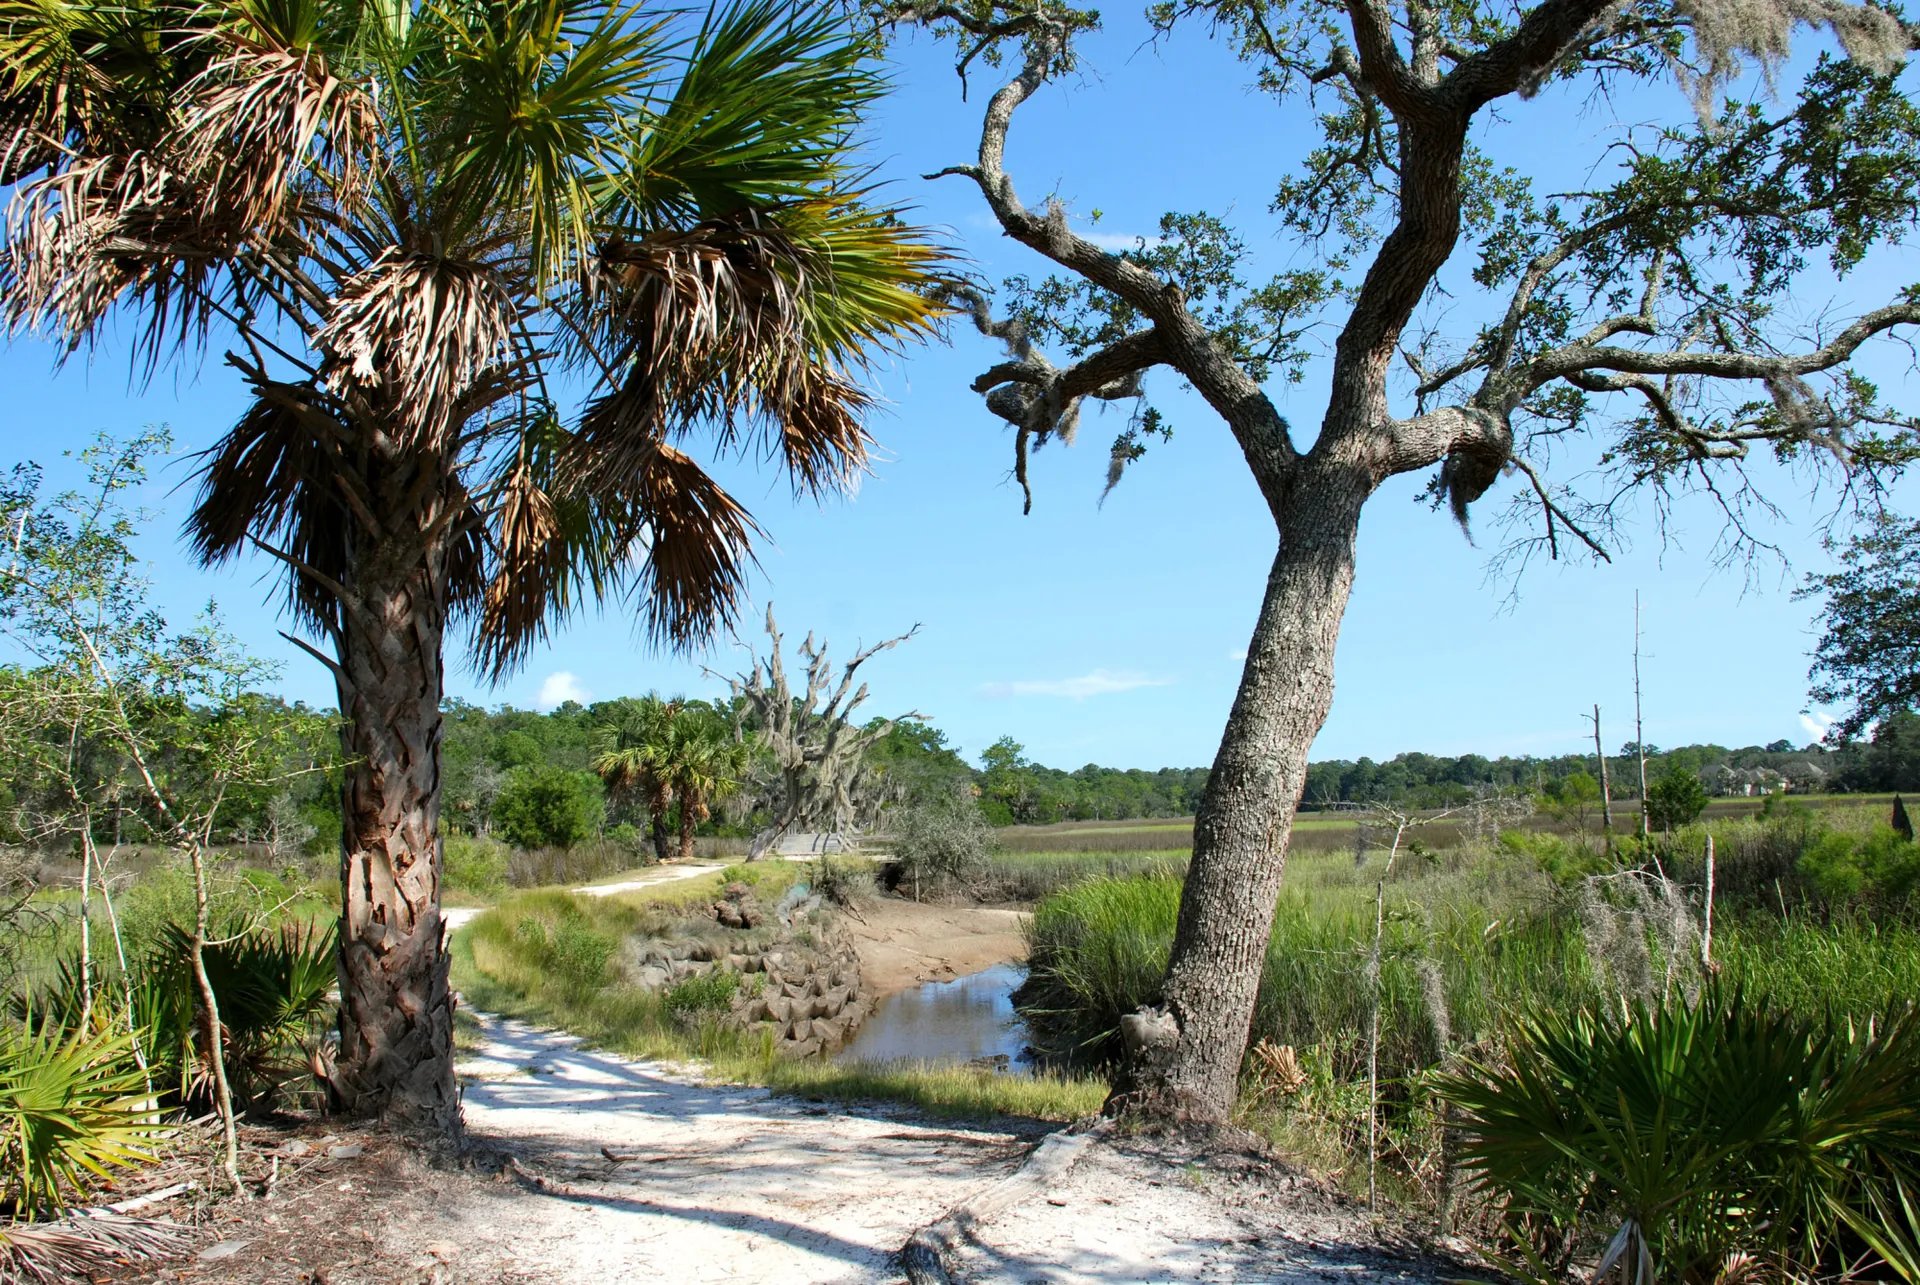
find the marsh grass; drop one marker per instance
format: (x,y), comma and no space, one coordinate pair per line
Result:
(1473,936)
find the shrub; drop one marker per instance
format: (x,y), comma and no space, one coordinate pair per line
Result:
(1675,799)
(547,807)
(475,864)
(579,954)
(943,842)
(271,985)
(1695,1132)
(1881,866)
(73,1105)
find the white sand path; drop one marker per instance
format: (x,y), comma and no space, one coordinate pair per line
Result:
(457,917)
(725,1183)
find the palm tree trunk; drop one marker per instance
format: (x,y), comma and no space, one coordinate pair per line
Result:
(396,1009)
(1184,1060)
(690,813)
(657,804)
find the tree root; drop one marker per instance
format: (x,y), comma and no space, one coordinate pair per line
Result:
(931,1254)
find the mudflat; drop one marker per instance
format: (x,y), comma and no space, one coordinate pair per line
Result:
(904,943)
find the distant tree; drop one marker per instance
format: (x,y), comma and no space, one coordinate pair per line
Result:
(703,764)
(1868,658)
(633,754)
(1890,760)
(1675,798)
(822,778)
(547,807)
(1573,798)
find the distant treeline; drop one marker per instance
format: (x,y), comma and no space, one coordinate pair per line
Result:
(482,747)
(485,751)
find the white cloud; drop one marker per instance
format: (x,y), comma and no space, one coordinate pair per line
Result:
(1241,654)
(559,688)
(1101,682)
(1816,725)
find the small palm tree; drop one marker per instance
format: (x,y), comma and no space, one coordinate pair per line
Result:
(424,236)
(705,765)
(633,750)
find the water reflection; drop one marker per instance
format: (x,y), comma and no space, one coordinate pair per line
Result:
(958,1021)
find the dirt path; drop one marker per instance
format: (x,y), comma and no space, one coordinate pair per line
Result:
(731,1184)
(725,1184)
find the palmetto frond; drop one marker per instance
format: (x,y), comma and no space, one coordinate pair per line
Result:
(413,333)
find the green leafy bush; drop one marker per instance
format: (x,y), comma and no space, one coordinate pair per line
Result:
(1881,866)
(1696,1132)
(547,807)
(475,864)
(579,954)
(1675,798)
(73,1106)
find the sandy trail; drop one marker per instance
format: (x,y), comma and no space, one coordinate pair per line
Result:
(728,1183)
(457,917)
(723,1183)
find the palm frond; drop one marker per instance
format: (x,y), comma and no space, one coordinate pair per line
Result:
(274,477)
(259,118)
(761,117)
(414,332)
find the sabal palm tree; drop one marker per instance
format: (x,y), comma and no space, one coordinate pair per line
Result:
(632,754)
(705,764)
(423,235)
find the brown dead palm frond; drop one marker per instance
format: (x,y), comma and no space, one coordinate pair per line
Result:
(275,477)
(52,1252)
(262,115)
(413,332)
(108,230)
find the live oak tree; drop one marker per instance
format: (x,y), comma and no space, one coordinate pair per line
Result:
(482,268)
(1632,331)
(1868,656)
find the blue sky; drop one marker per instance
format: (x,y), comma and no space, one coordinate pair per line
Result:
(1111,633)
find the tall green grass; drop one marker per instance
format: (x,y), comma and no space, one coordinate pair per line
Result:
(1472,938)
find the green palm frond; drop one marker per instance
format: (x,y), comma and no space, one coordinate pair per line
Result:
(1704,1129)
(73,1108)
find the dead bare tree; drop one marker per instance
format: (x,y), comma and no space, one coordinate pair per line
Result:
(818,752)
(1661,286)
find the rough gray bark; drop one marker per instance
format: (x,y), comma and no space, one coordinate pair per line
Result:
(396,1008)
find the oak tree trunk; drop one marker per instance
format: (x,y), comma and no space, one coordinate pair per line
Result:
(1184,1061)
(396,1008)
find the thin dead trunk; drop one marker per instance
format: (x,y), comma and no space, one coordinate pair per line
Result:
(1606,786)
(396,1008)
(1186,1061)
(1639,732)
(216,1034)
